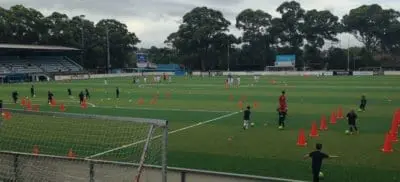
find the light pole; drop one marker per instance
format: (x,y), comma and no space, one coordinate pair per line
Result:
(108,51)
(229,60)
(83,39)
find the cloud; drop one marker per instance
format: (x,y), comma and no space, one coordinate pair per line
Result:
(154,20)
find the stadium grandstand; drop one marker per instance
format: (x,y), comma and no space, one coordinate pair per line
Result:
(20,63)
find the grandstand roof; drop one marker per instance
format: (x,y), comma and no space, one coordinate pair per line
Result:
(37,47)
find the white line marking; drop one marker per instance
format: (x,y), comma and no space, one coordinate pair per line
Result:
(138,108)
(158,136)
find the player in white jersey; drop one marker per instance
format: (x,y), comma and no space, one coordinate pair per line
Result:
(238,81)
(105,82)
(145,79)
(169,78)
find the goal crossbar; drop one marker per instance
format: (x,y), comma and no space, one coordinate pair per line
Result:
(157,122)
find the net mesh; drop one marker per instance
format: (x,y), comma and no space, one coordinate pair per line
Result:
(79,141)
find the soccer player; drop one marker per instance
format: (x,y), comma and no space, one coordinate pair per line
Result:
(352,118)
(105,82)
(246,118)
(117,92)
(87,93)
(50,96)
(363,103)
(145,79)
(14,95)
(69,92)
(282,111)
(282,100)
(317,156)
(81,97)
(238,81)
(33,91)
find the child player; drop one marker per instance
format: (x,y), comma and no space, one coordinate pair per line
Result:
(87,94)
(117,92)
(81,97)
(363,103)
(317,156)
(282,110)
(50,97)
(15,96)
(33,91)
(246,118)
(352,118)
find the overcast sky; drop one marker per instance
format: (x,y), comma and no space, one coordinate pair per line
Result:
(154,20)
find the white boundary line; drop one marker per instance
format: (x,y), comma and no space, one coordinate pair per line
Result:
(158,136)
(138,108)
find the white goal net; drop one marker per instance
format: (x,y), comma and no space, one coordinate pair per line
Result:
(56,146)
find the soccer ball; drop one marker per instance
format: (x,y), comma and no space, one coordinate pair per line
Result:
(280,127)
(321,175)
(252,124)
(347,132)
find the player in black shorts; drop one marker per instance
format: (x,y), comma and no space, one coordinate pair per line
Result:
(117,92)
(246,118)
(317,156)
(81,97)
(69,92)
(14,96)
(282,111)
(87,94)
(352,118)
(363,103)
(50,96)
(33,91)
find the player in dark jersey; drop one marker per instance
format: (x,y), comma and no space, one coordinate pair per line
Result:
(87,94)
(352,118)
(317,157)
(81,97)
(282,111)
(246,118)
(50,96)
(14,96)
(33,91)
(69,92)
(363,103)
(117,92)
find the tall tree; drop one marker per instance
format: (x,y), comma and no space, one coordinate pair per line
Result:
(256,27)
(318,27)
(197,32)
(370,24)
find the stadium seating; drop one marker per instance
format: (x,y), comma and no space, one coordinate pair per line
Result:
(13,64)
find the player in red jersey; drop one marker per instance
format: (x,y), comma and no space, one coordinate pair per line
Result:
(282,100)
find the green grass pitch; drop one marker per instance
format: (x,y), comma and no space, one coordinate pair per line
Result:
(219,143)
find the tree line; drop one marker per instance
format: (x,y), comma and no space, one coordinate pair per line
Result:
(203,41)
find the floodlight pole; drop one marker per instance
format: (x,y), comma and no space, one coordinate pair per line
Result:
(229,60)
(83,39)
(108,51)
(348,54)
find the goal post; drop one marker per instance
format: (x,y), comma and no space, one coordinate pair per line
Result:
(82,138)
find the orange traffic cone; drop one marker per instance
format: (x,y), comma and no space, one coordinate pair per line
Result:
(240,104)
(62,108)
(339,113)
(23,102)
(387,146)
(6,115)
(71,154)
(29,105)
(301,139)
(314,131)
(255,104)
(140,101)
(333,118)
(323,125)
(153,100)
(35,150)
(53,102)
(397,117)
(393,137)
(35,107)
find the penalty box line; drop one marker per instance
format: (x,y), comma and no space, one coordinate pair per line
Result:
(158,136)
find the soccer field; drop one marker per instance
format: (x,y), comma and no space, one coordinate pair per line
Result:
(205,124)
